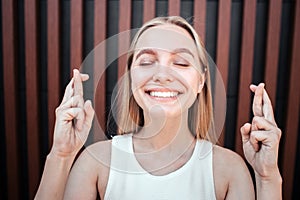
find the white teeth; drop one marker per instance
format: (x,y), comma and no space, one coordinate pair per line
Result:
(163,94)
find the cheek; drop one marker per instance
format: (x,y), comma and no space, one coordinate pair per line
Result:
(138,78)
(193,80)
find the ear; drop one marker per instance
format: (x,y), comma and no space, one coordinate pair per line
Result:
(201,83)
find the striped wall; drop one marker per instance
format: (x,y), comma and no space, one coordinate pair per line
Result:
(42,41)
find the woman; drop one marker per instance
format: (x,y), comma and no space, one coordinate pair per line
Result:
(165,149)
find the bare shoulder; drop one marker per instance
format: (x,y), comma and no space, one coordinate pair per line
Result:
(99,151)
(229,160)
(230,174)
(97,158)
(90,171)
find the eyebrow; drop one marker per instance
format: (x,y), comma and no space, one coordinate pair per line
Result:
(153,52)
(183,50)
(145,51)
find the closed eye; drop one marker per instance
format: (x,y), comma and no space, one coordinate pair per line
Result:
(180,61)
(146,62)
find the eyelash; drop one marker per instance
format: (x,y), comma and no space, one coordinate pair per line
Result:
(181,64)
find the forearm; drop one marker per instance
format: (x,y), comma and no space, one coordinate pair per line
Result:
(270,188)
(55,176)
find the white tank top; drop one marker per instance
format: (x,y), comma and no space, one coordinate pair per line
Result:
(129,181)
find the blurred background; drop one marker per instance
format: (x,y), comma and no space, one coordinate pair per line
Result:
(251,41)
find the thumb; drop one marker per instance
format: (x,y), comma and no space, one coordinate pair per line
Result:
(245,132)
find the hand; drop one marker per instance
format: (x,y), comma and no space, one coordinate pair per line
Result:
(261,137)
(73,119)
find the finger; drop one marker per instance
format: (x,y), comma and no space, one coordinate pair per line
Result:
(84,77)
(253,87)
(257,138)
(76,114)
(89,115)
(68,92)
(78,89)
(258,100)
(262,123)
(245,132)
(74,101)
(267,108)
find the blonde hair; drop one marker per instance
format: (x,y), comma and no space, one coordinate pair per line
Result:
(129,115)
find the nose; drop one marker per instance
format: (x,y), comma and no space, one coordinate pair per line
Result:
(163,74)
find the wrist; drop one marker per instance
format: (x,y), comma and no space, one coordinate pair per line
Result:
(272,177)
(61,158)
(64,155)
(269,187)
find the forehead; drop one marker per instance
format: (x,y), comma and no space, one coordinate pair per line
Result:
(166,37)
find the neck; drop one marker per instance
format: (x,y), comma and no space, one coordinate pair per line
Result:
(166,132)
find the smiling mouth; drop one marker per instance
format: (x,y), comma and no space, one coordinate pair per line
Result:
(163,94)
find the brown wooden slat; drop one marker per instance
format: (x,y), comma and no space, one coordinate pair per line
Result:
(10,98)
(124,42)
(247,55)
(99,65)
(76,35)
(200,18)
(272,54)
(149,10)
(291,131)
(222,57)
(31,63)
(174,7)
(53,62)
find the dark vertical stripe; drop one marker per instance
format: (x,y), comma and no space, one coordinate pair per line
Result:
(258,68)
(187,10)
(211,28)
(3,159)
(233,73)
(136,15)
(65,45)
(161,8)
(111,53)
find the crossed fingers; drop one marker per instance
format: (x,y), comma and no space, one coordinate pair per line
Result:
(73,102)
(262,106)
(263,129)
